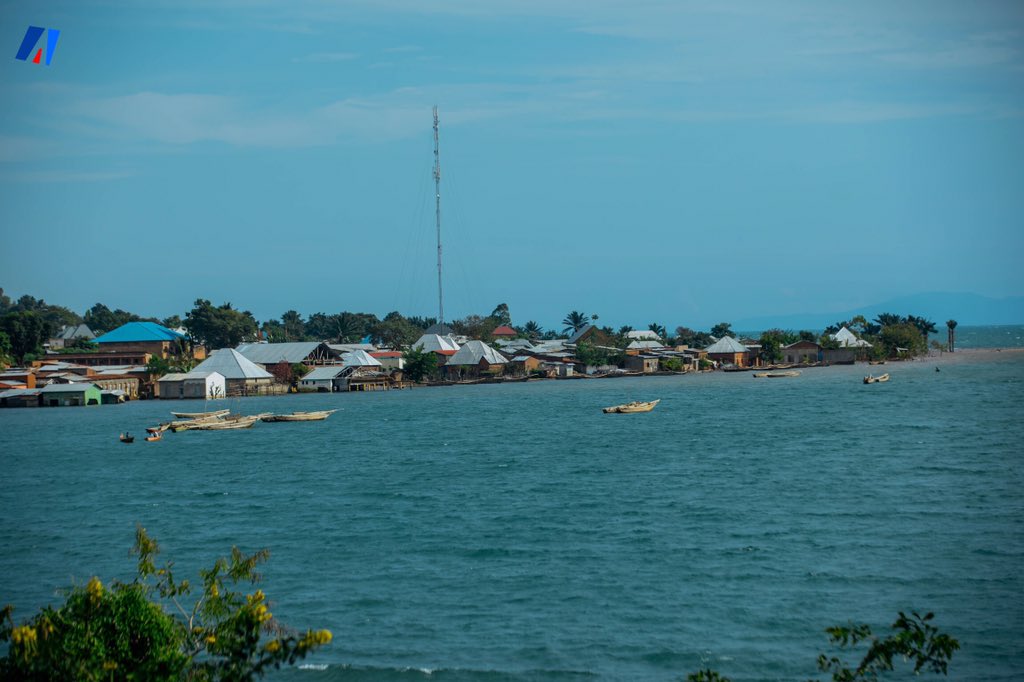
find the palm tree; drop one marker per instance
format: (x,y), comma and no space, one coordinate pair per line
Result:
(575,321)
(532,330)
(889,319)
(923,325)
(951,326)
(657,329)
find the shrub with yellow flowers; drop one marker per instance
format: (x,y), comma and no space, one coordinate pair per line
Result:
(142,630)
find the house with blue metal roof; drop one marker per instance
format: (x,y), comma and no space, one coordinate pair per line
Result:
(143,337)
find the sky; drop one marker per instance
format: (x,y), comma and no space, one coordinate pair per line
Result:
(648,161)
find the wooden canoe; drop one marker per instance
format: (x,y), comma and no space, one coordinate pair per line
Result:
(881,378)
(199,415)
(319,415)
(632,408)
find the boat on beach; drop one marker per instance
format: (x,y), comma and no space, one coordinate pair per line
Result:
(881,378)
(200,415)
(318,415)
(632,407)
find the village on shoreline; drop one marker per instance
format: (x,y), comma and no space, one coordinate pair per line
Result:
(210,355)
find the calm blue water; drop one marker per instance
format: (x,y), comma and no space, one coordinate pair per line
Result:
(517,533)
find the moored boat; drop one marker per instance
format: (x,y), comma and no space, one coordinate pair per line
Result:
(126,438)
(314,416)
(870,379)
(632,407)
(776,375)
(227,425)
(199,415)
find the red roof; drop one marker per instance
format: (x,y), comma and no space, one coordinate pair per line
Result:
(504,330)
(386,354)
(446,352)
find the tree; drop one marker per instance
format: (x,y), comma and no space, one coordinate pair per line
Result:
(888,319)
(902,336)
(658,330)
(293,327)
(172,322)
(101,319)
(923,325)
(5,349)
(693,339)
(951,327)
(395,331)
(476,327)
(721,329)
(219,327)
(419,363)
(532,330)
(142,631)
(806,335)
(501,314)
(26,332)
(772,342)
(574,322)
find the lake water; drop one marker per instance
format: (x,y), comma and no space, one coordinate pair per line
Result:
(517,533)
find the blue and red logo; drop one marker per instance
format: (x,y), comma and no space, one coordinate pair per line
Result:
(32,36)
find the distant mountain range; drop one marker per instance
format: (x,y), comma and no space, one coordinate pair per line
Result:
(966,309)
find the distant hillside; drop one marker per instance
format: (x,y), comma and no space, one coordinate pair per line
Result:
(966,309)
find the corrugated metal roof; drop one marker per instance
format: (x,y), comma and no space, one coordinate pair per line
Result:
(175,376)
(323,373)
(140,331)
(67,388)
(231,365)
(433,342)
(75,331)
(14,392)
(272,353)
(645,344)
(643,334)
(474,351)
(726,344)
(847,339)
(346,347)
(360,358)
(582,330)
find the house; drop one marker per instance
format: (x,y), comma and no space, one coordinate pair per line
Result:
(802,352)
(648,364)
(642,335)
(195,384)
(590,334)
(69,395)
(729,351)
(326,379)
(474,358)
(19,377)
(278,358)
(504,332)
(389,359)
(847,339)
(643,345)
(140,338)
(525,364)
(20,397)
(241,375)
(71,333)
(444,347)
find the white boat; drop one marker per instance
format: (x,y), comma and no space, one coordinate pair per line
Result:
(633,407)
(199,415)
(318,415)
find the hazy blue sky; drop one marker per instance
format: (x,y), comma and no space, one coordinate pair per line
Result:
(662,160)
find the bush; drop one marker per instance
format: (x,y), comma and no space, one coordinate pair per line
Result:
(125,632)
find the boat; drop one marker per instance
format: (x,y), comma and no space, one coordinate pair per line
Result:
(876,362)
(315,416)
(881,378)
(155,437)
(227,425)
(158,429)
(126,438)
(776,375)
(199,415)
(633,407)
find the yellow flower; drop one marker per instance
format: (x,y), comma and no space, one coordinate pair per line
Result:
(211,639)
(273,646)
(214,590)
(95,588)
